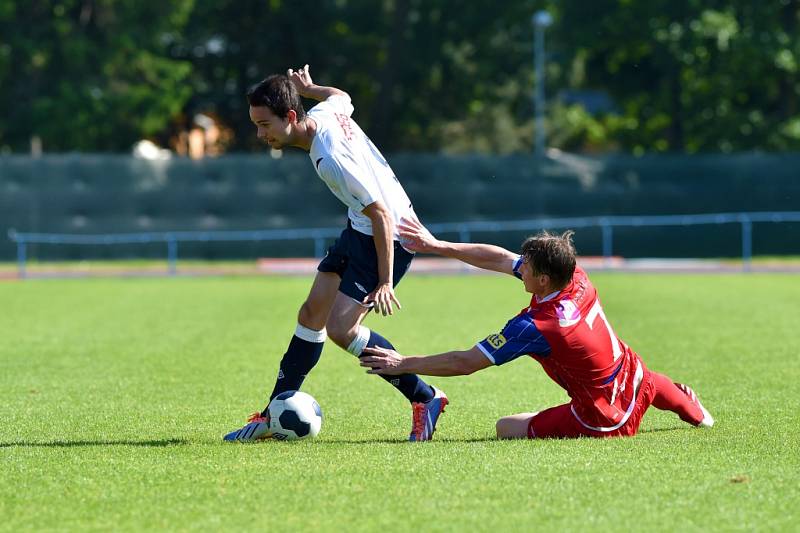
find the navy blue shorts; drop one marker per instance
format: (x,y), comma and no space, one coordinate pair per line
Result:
(354,258)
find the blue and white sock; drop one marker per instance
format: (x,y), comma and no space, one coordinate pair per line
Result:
(302,355)
(411,385)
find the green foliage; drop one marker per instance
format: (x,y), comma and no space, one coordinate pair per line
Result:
(424,74)
(89,75)
(116,393)
(684,75)
(695,76)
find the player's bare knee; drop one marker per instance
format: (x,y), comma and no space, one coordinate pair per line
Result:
(501,428)
(514,426)
(344,321)
(340,332)
(338,338)
(498,428)
(310,316)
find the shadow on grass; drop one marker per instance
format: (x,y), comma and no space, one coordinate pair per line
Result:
(81,443)
(476,440)
(658,430)
(402,441)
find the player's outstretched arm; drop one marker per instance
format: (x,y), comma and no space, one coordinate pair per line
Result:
(455,363)
(417,238)
(301,78)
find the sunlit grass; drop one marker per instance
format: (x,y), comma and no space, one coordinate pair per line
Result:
(115,394)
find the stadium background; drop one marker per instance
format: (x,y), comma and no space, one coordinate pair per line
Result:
(649,108)
(118,194)
(129,116)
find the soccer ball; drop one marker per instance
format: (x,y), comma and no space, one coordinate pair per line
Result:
(294,415)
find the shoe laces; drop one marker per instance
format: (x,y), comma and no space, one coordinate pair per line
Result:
(418,422)
(257,417)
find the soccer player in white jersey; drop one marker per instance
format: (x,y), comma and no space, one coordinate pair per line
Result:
(362,267)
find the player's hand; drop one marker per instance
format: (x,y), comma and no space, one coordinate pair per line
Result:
(415,237)
(301,79)
(381,361)
(382,298)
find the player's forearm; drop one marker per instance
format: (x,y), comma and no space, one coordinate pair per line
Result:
(456,363)
(383,236)
(320,92)
(485,256)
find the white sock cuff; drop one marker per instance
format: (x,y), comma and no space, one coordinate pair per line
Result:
(310,335)
(360,341)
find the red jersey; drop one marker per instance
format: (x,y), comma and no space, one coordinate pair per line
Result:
(568,333)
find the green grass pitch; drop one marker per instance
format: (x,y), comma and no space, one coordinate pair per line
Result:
(115,394)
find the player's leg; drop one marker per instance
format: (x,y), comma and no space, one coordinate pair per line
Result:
(358,280)
(306,344)
(345,329)
(427,402)
(514,426)
(681,400)
(303,353)
(553,423)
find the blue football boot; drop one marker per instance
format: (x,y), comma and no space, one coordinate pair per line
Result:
(425,416)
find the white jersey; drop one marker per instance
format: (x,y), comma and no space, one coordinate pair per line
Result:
(352,167)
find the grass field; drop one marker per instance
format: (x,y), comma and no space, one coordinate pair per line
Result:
(115,393)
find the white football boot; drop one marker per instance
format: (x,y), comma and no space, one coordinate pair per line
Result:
(257,428)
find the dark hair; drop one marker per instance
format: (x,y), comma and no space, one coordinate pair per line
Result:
(552,255)
(278,94)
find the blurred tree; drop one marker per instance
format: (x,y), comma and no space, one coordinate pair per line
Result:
(691,75)
(682,75)
(466,71)
(235,43)
(89,74)
(424,74)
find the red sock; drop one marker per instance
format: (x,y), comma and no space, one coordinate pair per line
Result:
(670,398)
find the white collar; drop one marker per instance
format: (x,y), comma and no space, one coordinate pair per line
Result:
(548,297)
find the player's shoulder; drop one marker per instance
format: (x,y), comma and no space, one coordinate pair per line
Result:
(564,312)
(523,323)
(335,131)
(337,104)
(582,292)
(333,146)
(543,314)
(325,138)
(561,311)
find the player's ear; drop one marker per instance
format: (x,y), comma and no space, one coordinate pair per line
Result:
(291,116)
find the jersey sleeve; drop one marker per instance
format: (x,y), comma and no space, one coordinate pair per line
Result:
(338,103)
(520,336)
(515,267)
(357,191)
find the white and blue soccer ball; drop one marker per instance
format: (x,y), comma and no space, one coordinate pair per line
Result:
(294,415)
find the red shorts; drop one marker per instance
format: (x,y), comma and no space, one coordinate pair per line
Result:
(559,422)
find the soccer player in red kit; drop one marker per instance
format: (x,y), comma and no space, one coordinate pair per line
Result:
(566,331)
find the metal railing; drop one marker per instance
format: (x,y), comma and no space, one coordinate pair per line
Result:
(463,229)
